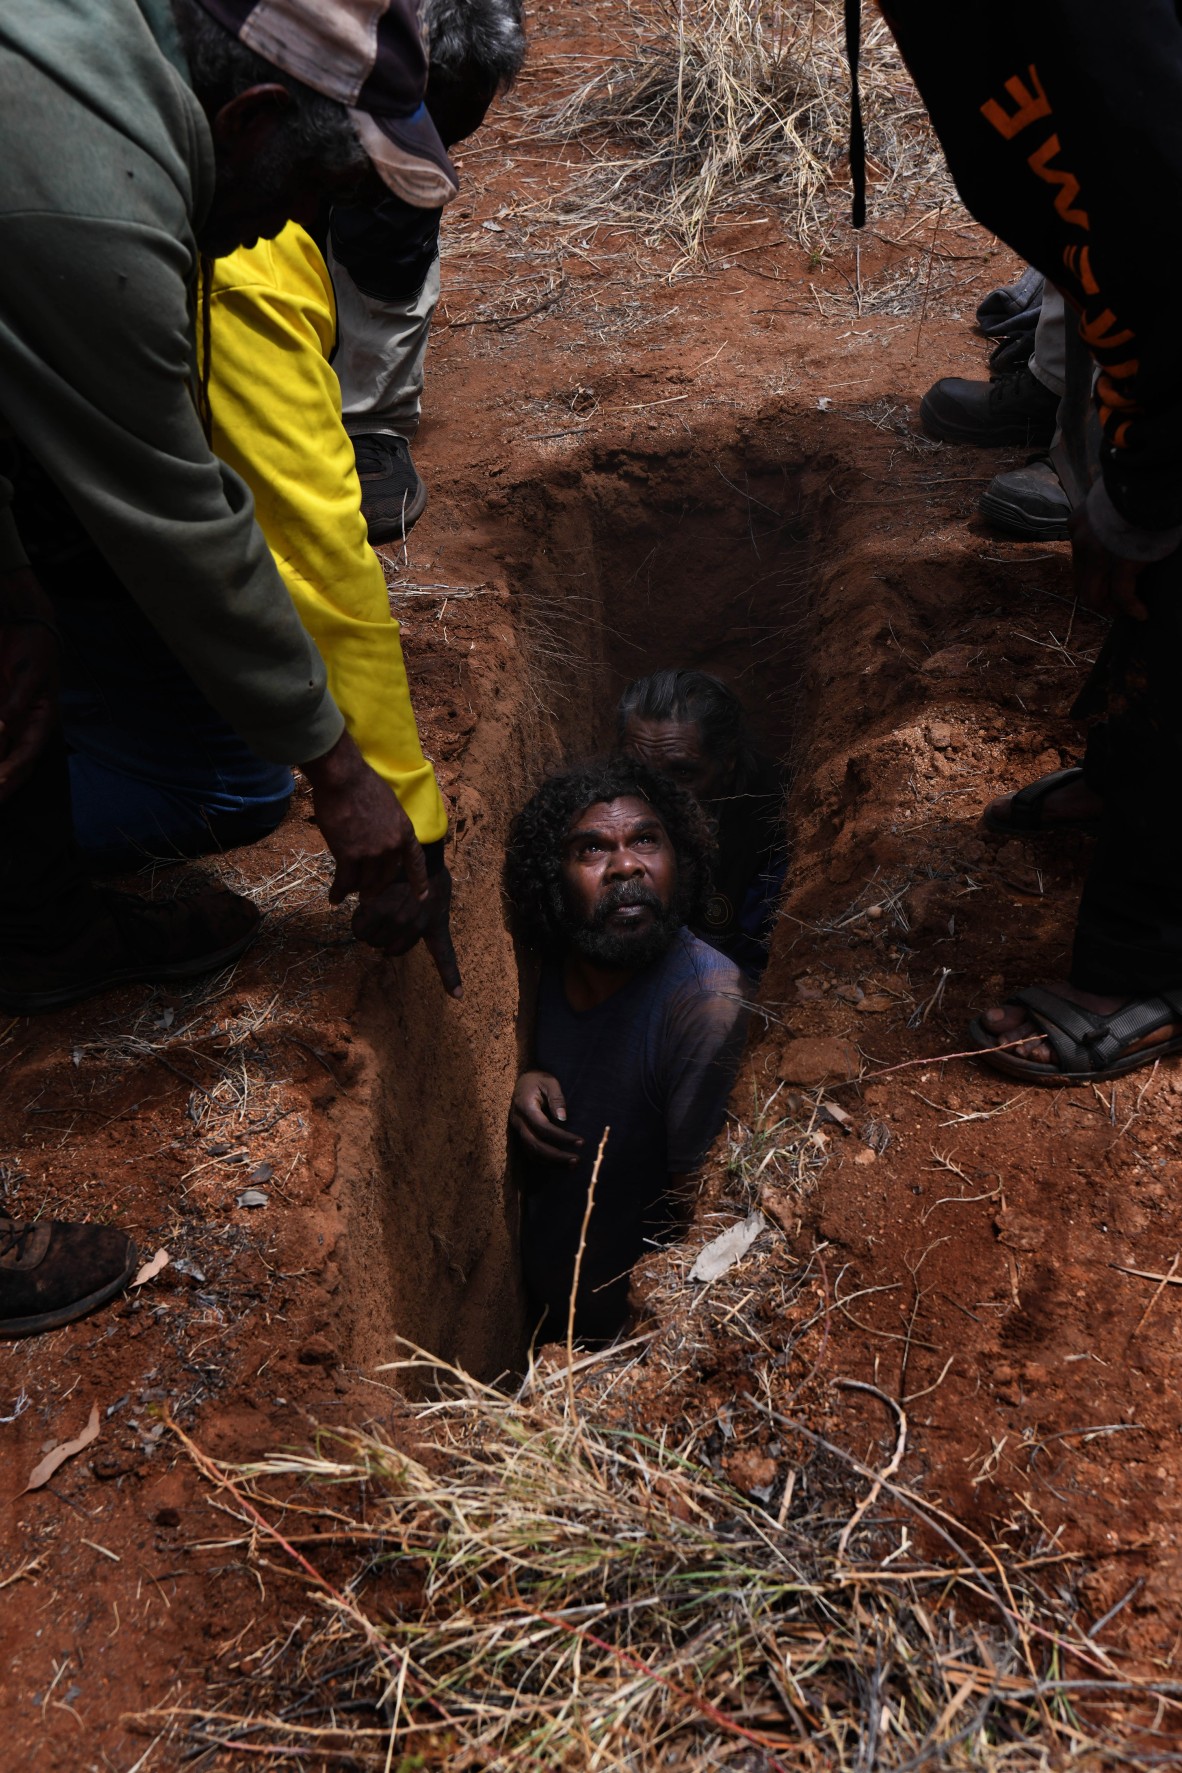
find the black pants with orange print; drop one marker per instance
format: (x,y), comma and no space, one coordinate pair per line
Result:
(1128,938)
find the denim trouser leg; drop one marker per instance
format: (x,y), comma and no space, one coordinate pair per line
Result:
(1048,359)
(154,770)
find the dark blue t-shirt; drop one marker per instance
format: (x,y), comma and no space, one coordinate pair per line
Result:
(655,1063)
(750,869)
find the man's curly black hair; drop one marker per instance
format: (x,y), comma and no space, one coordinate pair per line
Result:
(534,852)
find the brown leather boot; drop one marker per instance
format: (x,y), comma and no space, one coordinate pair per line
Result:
(52,1272)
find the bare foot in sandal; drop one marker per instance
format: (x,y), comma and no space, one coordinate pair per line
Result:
(1112,1035)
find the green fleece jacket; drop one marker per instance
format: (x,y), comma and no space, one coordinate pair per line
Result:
(106,168)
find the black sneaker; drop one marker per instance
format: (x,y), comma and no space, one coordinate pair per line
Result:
(393,497)
(52,1272)
(1015,408)
(1028,502)
(130,940)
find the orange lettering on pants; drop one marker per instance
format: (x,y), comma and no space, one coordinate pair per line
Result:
(1119,434)
(1068,191)
(1031,106)
(1097,332)
(1113,398)
(1086,275)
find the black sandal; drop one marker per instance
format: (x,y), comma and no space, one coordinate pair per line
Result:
(1024,816)
(1089,1047)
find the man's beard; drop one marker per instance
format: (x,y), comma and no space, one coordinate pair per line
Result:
(633,948)
(250,207)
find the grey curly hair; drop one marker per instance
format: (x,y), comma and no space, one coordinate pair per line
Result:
(476,48)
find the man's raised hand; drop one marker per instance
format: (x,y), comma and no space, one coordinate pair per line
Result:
(538,1109)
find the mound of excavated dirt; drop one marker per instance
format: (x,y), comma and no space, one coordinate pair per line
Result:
(630,465)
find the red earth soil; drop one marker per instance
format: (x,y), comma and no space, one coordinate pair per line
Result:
(712,464)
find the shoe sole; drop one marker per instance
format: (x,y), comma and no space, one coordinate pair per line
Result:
(34,1003)
(392,529)
(53,1320)
(948,431)
(1016,521)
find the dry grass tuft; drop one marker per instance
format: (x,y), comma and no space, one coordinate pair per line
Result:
(637,1563)
(729,103)
(546,1593)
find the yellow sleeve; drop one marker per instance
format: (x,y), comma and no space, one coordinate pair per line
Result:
(276,409)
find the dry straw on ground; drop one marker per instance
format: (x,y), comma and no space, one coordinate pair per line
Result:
(607,1567)
(723,104)
(544,1593)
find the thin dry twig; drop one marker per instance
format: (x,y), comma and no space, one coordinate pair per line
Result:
(1171,1278)
(574,1285)
(889,1469)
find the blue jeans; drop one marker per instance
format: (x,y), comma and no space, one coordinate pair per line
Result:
(154,771)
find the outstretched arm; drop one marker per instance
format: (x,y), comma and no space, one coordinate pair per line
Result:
(277,420)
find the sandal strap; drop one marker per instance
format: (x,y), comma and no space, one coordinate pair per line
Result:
(1086,1040)
(1025,809)
(1067,1026)
(1144,1016)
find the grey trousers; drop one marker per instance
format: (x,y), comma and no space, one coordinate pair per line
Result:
(1048,360)
(381,347)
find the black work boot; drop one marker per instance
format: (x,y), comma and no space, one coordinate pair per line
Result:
(1028,502)
(128,940)
(393,497)
(1014,408)
(52,1272)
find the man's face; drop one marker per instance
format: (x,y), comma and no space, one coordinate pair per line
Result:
(619,881)
(262,183)
(675,748)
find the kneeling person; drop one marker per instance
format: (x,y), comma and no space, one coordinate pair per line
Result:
(639,1028)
